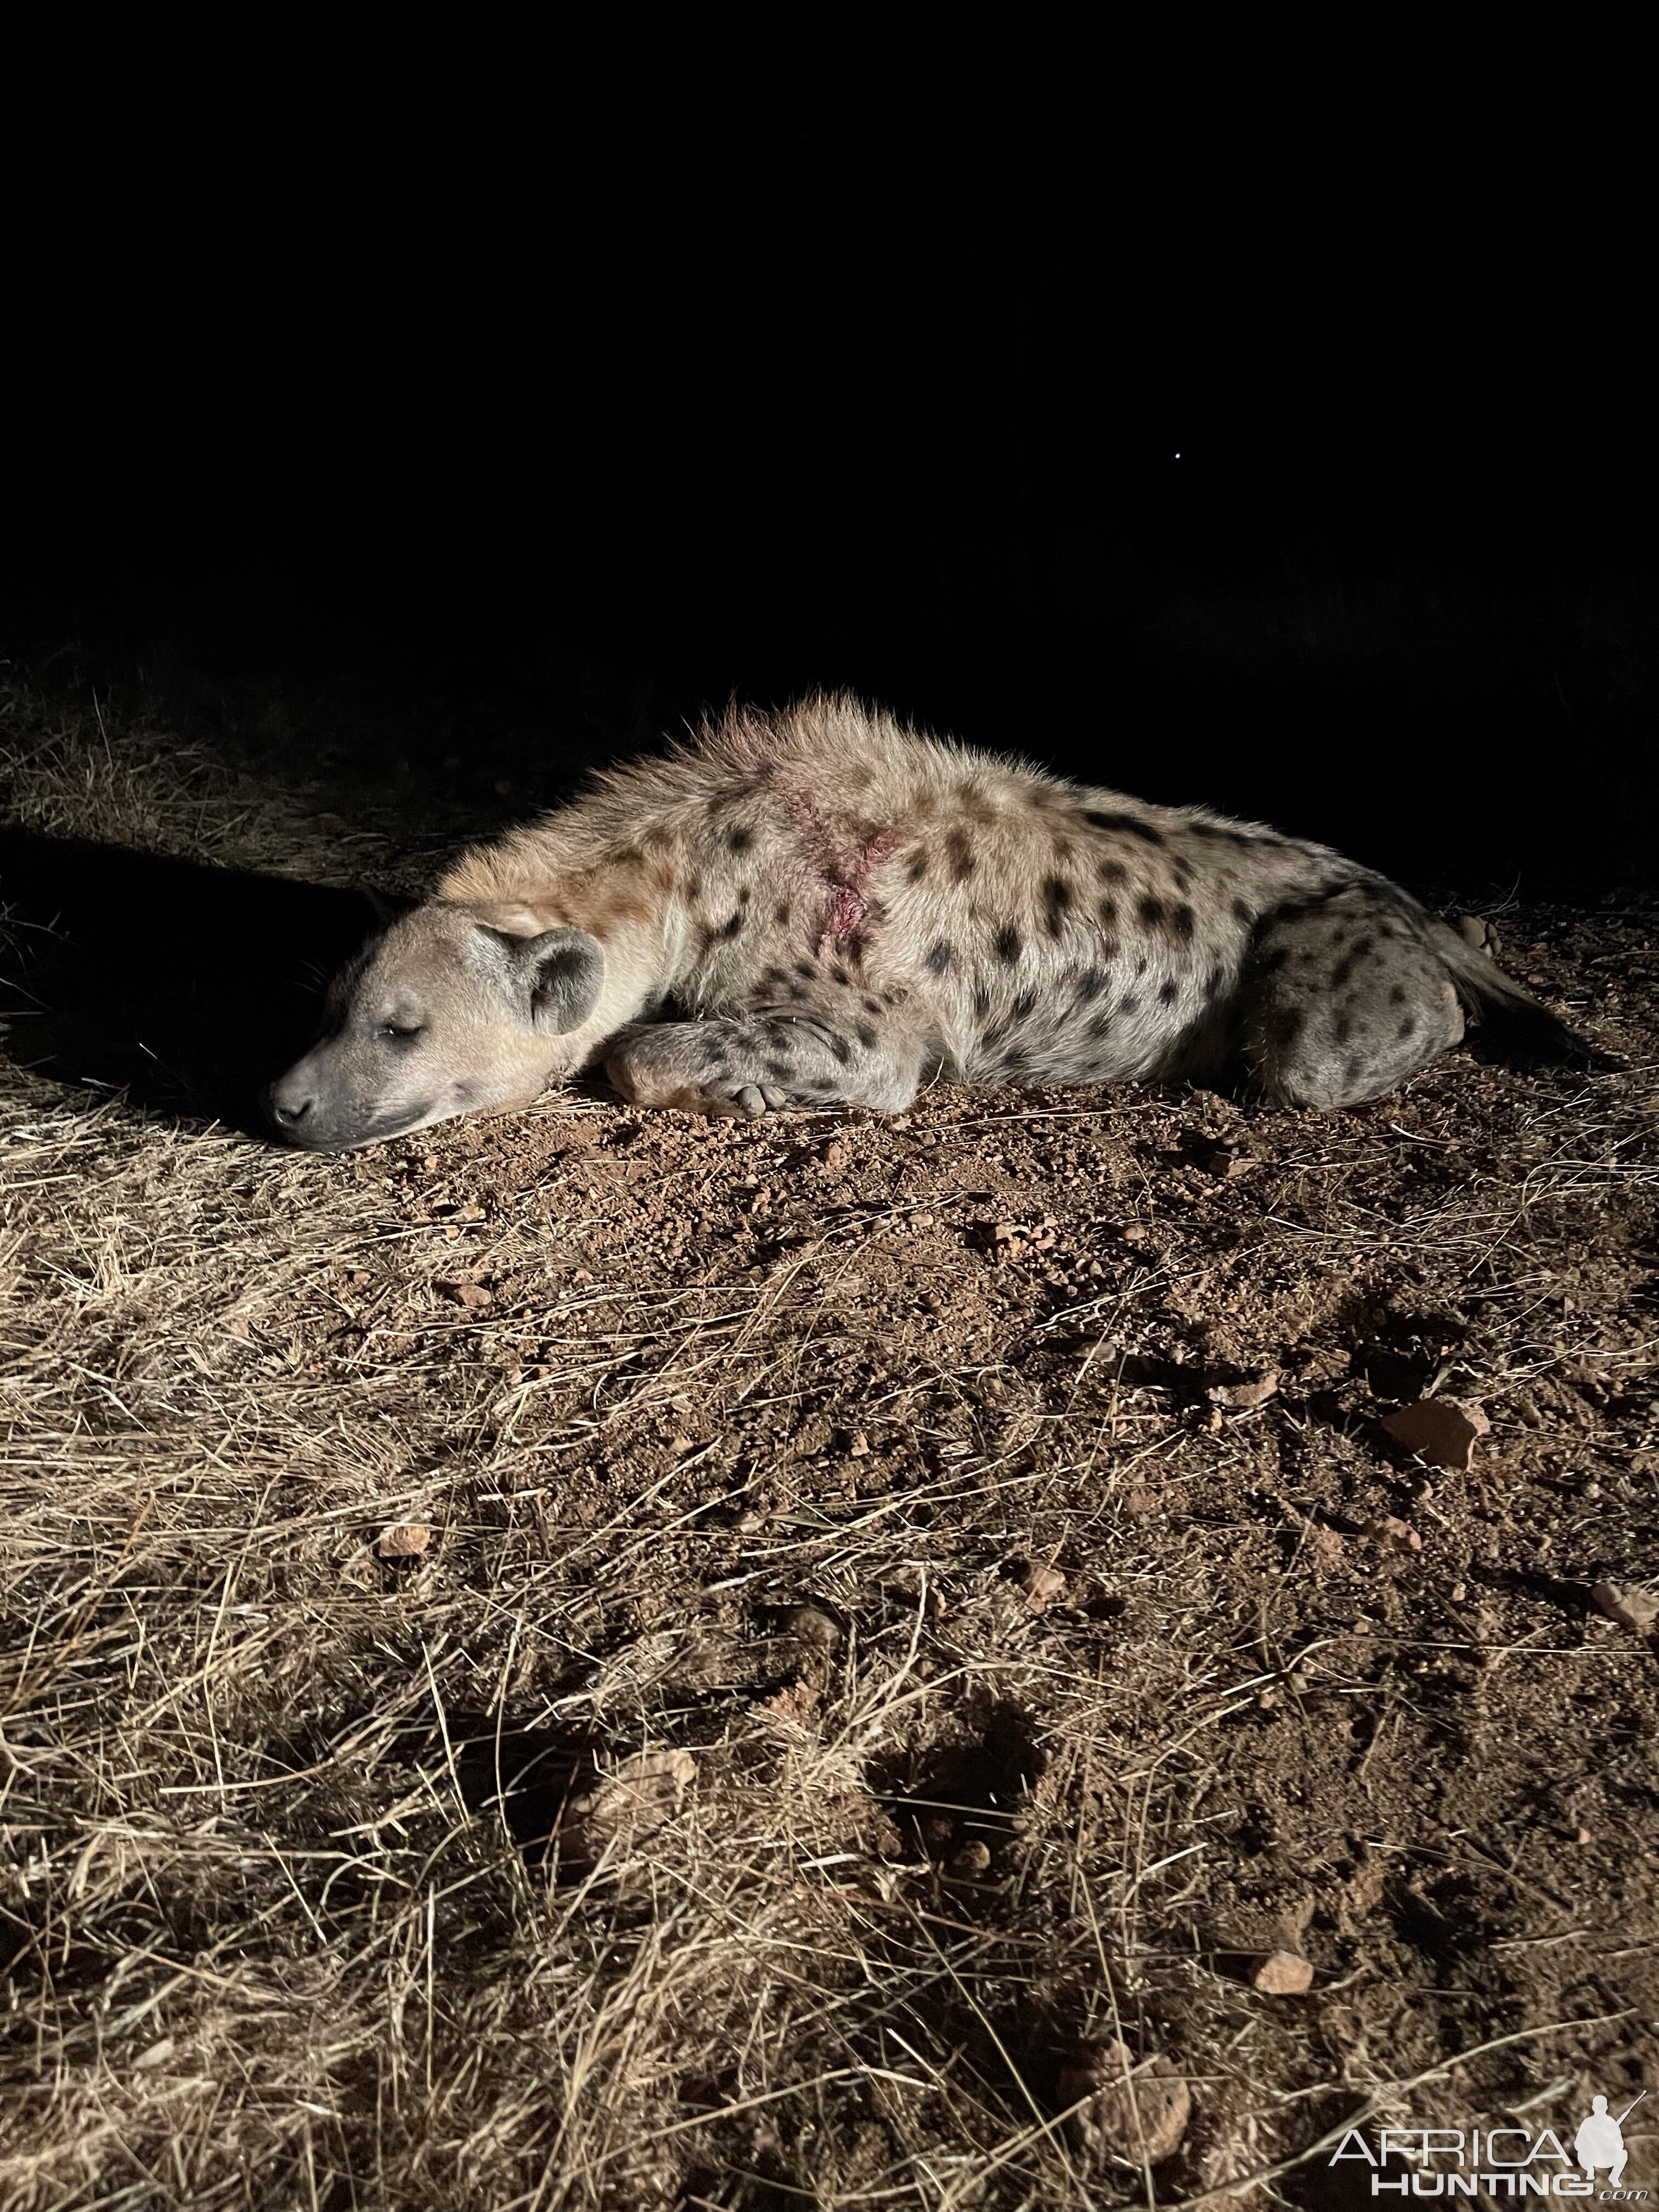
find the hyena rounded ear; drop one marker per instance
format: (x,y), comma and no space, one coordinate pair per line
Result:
(564,969)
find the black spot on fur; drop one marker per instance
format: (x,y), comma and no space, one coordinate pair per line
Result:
(1181,922)
(1405,1032)
(1152,912)
(840,975)
(1056,898)
(1090,984)
(693,890)
(1168,993)
(779,1068)
(1397,995)
(1130,1005)
(1130,824)
(1112,872)
(1344,968)
(1242,913)
(805,968)
(916,868)
(1183,875)
(773,976)
(729,930)
(938,959)
(1101,1023)
(841,1049)
(982,1001)
(1353,1071)
(739,841)
(872,1005)
(780,914)
(1024,1005)
(866,1035)
(960,853)
(1005,943)
(1272,961)
(1109,912)
(712,1054)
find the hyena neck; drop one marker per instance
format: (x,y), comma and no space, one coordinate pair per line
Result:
(627,901)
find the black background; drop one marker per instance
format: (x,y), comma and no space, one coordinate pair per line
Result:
(1305,469)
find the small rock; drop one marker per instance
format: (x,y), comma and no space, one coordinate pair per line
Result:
(1134,1232)
(1134,2112)
(648,1788)
(834,1157)
(1227,1162)
(1444,1430)
(237,1325)
(1388,1528)
(810,1624)
(972,1859)
(157,2054)
(1239,1397)
(470,1295)
(1630,1608)
(1043,1586)
(859,1448)
(1282,1974)
(361,1571)
(404,1540)
(1584,1836)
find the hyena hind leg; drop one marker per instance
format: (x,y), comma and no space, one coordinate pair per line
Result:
(1343,1001)
(751,1065)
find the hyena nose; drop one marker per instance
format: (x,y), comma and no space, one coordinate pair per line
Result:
(289,1106)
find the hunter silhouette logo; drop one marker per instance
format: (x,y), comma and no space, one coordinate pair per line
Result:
(1501,2161)
(1601,2139)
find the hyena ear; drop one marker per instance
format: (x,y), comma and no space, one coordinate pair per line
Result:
(563,971)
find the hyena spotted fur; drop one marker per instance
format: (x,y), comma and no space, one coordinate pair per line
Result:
(821,908)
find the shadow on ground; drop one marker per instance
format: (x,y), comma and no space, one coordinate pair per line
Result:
(187,987)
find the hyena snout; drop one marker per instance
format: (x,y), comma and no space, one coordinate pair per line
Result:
(290,1102)
(307,1110)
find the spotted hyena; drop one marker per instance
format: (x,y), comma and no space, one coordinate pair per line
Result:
(821,908)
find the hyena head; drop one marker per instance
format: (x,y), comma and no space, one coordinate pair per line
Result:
(441,1015)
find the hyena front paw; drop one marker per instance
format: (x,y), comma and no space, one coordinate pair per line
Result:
(721,1098)
(746,1104)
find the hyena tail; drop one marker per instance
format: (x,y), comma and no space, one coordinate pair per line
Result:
(1515,1022)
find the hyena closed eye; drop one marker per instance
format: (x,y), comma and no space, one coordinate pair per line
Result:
(837,909)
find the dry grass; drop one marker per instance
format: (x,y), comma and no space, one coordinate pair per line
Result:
(306,1901)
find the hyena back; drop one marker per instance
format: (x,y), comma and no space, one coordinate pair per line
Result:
(822,907)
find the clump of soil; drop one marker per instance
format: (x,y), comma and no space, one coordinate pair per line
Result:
(608,1660)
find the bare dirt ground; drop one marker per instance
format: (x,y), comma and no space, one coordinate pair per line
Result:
(594,1661)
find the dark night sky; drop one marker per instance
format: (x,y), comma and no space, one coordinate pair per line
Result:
(897,406)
